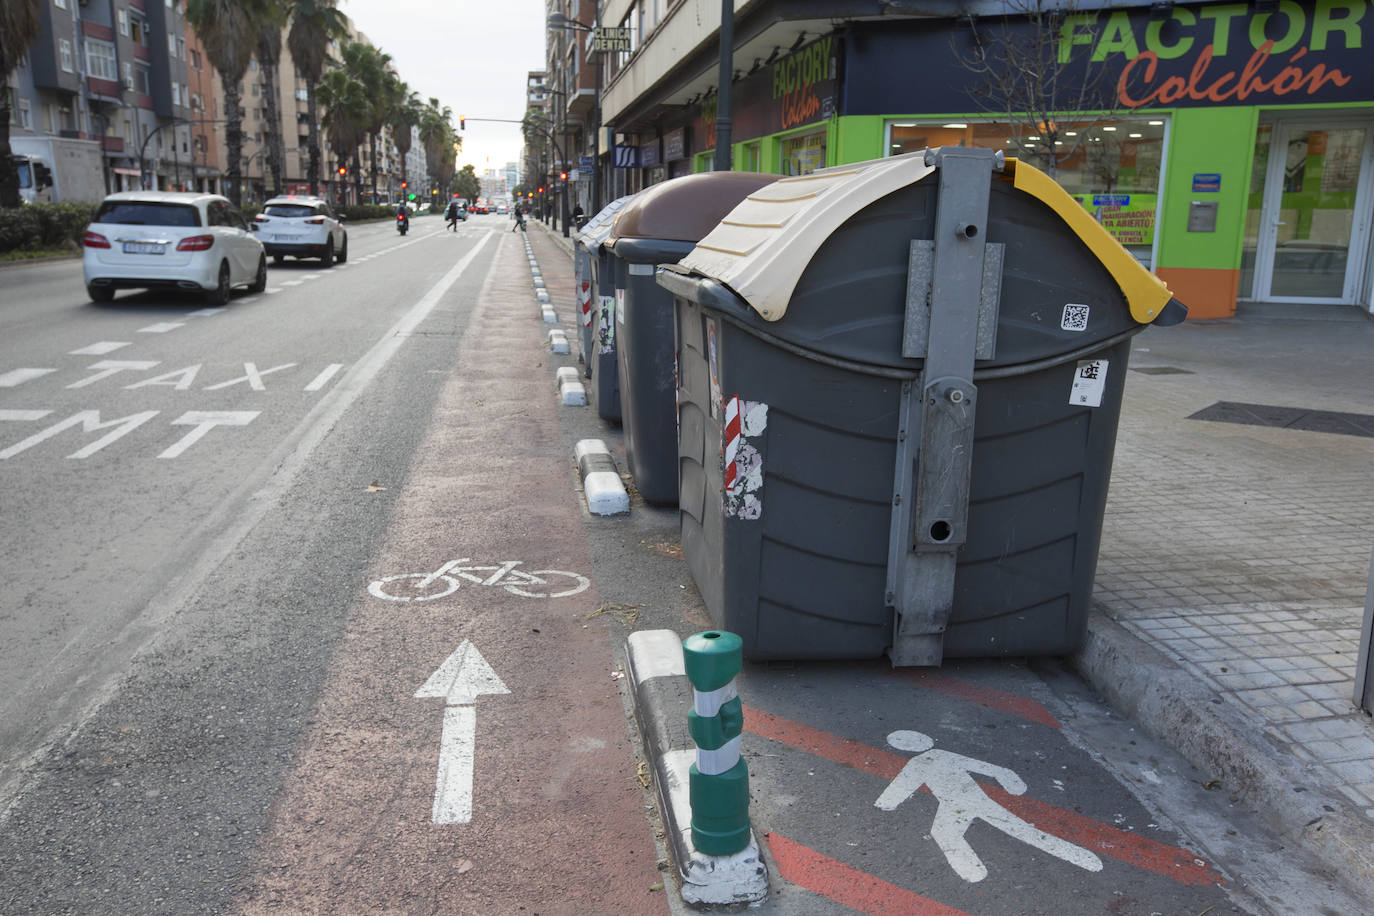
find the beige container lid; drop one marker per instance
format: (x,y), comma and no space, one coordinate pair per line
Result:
(760,248)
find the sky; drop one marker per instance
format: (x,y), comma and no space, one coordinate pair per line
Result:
(473,55)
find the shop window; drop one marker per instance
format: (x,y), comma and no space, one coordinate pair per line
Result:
(1110,167)
(749,158)
(803,155)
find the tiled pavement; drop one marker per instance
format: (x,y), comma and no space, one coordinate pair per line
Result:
(1242,553)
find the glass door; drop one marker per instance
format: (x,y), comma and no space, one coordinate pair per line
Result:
(1314,228)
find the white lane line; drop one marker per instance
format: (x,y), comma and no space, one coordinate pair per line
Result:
(247,300)
(311,277)
(20,376)
(324,377)
(204,313)
(99,349)
(271,289)
(293,283)
(162,327)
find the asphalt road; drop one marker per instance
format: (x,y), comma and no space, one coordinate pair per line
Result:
(304,614)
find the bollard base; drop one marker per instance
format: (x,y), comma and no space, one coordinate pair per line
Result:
(705,879)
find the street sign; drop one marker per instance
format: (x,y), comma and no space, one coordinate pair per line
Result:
(611,38)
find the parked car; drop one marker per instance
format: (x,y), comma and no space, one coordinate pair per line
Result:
(302,227)
(170,240)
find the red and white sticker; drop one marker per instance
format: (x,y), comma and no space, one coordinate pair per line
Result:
(744,422)
(585,300)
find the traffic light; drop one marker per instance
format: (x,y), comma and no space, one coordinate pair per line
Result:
(541,190)
(462,123)
(410,197)
(562,176)
(404,185)
(342,171)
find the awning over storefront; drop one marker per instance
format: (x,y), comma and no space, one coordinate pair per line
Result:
(119,171)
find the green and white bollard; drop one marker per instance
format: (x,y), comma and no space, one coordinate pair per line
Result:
(718,786)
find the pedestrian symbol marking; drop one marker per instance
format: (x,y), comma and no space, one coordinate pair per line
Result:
(961,801)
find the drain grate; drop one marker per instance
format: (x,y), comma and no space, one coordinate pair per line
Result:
(1316,421)
(1162,370)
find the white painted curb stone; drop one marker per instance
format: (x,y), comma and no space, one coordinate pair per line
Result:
(565,374)
(601,483)
(550,316)
(573,394)
(558,341)
(541,295)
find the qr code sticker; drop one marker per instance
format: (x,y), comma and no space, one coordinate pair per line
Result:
(1075,318)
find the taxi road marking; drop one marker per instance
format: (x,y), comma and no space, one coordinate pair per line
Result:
(162,327)
(1180,865)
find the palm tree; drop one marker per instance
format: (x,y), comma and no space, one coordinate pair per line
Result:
(340,97)
(227,29)
(268,53)
(405,115)
(20,25)
(369,67)
(440,142)
(315,24)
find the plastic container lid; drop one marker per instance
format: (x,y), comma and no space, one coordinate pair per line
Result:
(595,230)
(687,208)
(760,248)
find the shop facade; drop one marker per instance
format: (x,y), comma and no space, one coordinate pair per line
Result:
(1230,149)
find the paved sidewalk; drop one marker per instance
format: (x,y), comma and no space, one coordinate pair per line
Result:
(1234,561)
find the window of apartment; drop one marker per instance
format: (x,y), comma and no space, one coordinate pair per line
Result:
(200,143)
(253,65)
(140,78)
(60,4)
(181,48)
(23,114)
(195,60)
(64,50)
(176,93)
(256,90)
(123,17)
(100,60)
(302,95)
(197,102)
(138,30)
(171,45)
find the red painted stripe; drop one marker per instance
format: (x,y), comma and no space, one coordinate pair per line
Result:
(1022,707)
(849,886)
(1172,862)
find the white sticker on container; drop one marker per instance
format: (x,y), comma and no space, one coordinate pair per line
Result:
(619,306)
(1075,317)
(1089,380)
(716,396)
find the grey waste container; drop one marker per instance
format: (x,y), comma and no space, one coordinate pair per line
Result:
(586,261)
(900,382)
(660,225)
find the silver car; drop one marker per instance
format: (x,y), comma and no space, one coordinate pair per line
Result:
(171,240)
(303,227)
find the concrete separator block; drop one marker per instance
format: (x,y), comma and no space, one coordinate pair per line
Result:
(541,295)
(550,316)
(558,342)
(601,483)
(565,374)
(573,394)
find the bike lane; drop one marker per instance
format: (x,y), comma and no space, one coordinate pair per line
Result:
(471,751)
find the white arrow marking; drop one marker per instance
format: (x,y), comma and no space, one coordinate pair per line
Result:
(460,680)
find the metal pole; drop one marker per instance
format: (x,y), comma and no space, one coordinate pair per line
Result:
(727,73)
(1364,670)
(596,120)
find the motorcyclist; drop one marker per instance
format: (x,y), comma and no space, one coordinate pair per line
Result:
(403,214)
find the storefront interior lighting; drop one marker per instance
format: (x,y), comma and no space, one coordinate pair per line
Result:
(1109,128)
(1071,133)
(1156,123)
(1135,136)
(956,126)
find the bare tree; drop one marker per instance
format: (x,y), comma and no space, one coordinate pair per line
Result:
(1052,108)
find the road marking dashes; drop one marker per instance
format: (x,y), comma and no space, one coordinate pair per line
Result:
(204,313)
(293,283)
(162,327)
(100,349)
(17,377)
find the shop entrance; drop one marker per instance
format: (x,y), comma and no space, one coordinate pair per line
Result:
(1308,229)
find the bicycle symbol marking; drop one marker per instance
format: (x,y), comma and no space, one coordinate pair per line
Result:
(447,579)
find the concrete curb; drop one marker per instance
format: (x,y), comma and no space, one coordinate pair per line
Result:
(662,696)
(1171,704)
(558,342)
(601,483)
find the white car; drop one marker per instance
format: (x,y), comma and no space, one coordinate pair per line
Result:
(171,240)
(303,227)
